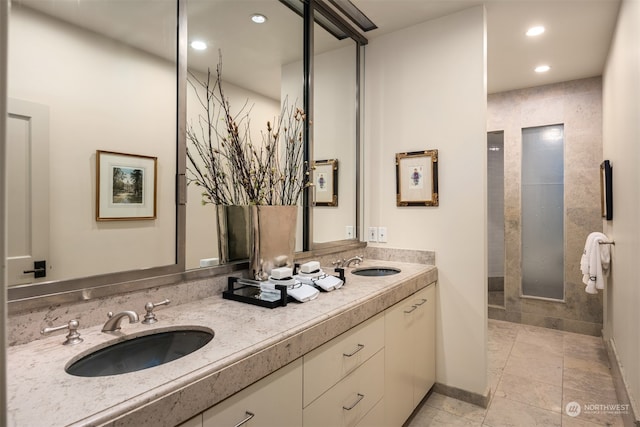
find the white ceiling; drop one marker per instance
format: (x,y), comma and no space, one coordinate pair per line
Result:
(575,44)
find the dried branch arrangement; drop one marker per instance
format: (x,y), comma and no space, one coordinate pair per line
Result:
(229,167)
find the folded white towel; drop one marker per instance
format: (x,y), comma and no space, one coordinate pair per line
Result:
(326,282)
(594,263)
(303,293)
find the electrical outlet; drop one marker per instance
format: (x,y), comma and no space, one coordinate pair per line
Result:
(382,234)
(349,234)
(373,234)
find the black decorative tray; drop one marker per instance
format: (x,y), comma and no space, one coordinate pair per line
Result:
(248,291)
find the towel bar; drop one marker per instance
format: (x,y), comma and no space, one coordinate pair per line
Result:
(607,243)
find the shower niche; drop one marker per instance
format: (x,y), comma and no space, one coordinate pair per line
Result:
(495,218)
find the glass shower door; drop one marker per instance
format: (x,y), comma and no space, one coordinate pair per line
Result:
(543,212)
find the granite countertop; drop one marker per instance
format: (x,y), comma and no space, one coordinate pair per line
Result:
(250,342)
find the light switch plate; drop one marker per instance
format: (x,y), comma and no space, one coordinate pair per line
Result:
(373,234)
(382,234)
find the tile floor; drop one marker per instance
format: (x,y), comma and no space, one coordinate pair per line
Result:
(533,373)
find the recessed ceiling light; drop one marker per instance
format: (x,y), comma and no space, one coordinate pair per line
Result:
(258,18)
(535,31)
(542,69)
(198,45)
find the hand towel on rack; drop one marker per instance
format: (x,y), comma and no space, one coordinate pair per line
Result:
(595,262)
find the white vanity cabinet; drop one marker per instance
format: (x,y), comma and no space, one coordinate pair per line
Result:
(373,375)
(410,354)
(347,403)
(193,422)
(274,401)
(344,378)
(328,364)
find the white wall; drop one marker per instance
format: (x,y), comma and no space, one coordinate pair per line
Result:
(426,89)
(102,95)
(334,137)
(621,145)
(291,88)
(334,133)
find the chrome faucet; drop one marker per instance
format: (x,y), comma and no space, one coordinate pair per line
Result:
(113,324)
(356,259)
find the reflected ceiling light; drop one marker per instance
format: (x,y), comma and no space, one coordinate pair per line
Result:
(553,134)
(535,31)
(542,69)
(258,18)
(198,45)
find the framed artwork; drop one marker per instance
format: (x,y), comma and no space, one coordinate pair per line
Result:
(126,186)
(417,178)
(606,190)
(325,181)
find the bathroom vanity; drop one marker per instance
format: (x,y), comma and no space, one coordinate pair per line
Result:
(338,358)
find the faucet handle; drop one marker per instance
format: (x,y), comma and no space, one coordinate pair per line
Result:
(338,263)
(150,316)
(73,337)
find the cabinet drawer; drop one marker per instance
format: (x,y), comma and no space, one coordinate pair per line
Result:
(375,417)
(193,422)
(350,400)
(274,401)
(329,363)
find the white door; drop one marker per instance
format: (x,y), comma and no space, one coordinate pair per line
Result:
(27,190)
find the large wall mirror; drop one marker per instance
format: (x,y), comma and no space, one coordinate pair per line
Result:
(106,76)
(261,69)
(83,77)
(334,135)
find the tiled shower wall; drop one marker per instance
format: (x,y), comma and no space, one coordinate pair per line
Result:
(578,105)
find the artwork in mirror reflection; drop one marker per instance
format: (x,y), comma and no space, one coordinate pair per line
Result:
(106,73)
(125,186)
(325,182)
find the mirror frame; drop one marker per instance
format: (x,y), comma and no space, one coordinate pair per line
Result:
(38,295)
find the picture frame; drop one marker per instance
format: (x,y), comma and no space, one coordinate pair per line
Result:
(325,182)
(606,190)
(417,178)
(126,186)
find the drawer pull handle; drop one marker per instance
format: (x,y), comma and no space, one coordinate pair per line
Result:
(412,309)
(249,416)
(348,408)
(360,347)
(422,301)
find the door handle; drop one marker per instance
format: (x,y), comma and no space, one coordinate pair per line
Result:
(39,269)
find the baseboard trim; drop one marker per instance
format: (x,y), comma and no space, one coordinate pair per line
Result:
(622,391)
(478,399)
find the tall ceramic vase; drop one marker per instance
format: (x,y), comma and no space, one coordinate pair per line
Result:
(272,239)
